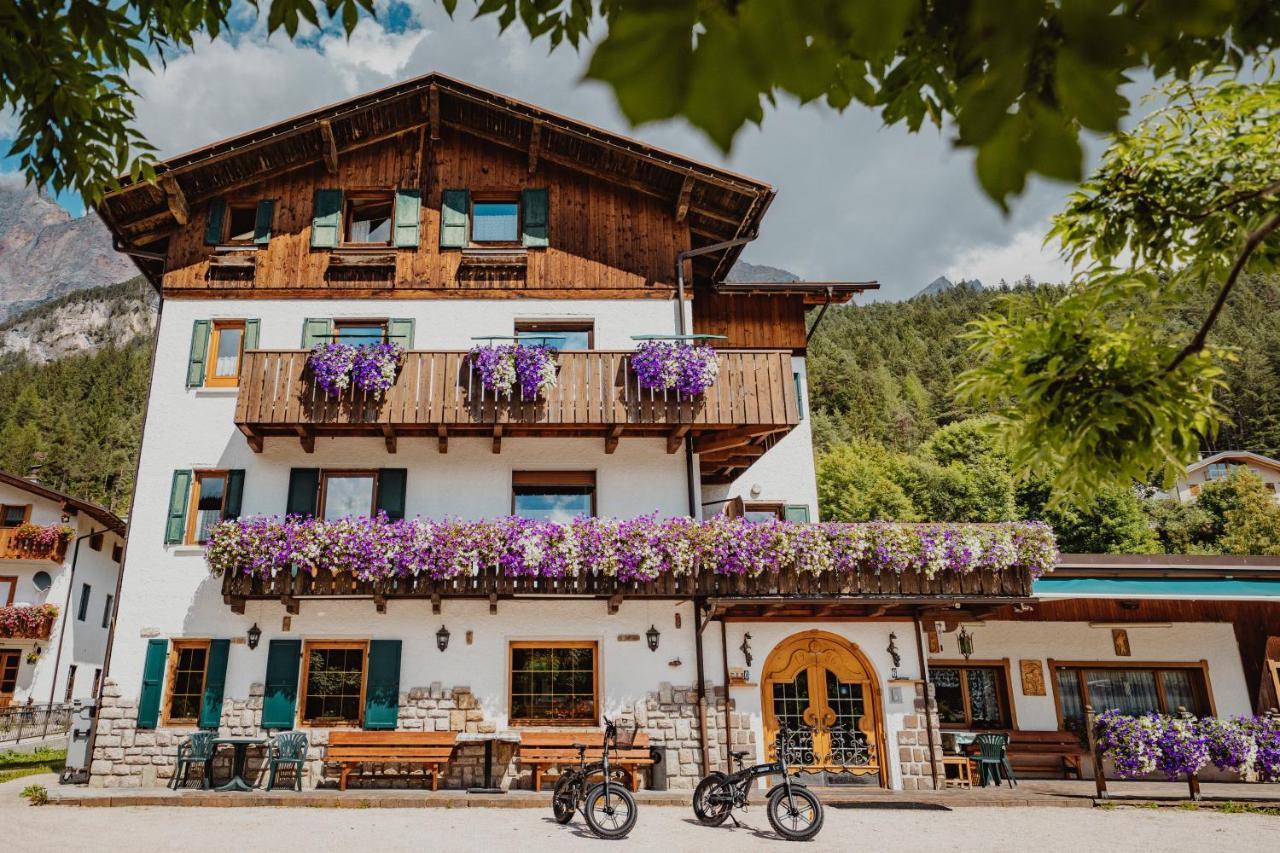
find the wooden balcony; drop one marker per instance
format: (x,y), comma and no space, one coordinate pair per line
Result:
(752,403)
(26,623)
(831,594)
(13,548)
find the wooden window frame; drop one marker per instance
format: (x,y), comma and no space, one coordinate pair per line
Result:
(1005,672)
(495,197)
(171,672)
(16,655)
(352,197)
(216,328)
(556,478)
(365,322)
(189,537)
(327,473)
(1200,666)
(26,514)
(550,327)
(96,541)
(12,581)
(778,508)
(232,204)
(594,645)
(307,647)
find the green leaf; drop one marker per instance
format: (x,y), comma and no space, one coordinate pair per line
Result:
(647,59)
(1002,160)
(1088,92)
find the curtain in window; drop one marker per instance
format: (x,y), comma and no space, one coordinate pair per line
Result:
(228,356)
(984,697)
(1131,691)
(1179,692)
(948,693)
(1069,693)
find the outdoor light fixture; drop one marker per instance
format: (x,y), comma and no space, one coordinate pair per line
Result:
(652,635)
(255,634)
(965,641)
(442,638)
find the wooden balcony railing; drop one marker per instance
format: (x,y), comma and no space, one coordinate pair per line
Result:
(14,548)
(438,394)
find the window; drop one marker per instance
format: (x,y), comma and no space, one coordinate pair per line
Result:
(71,684)
(795,377)
(208,499)
(554,683)
(242,221)
(97,681)
(358,332)
(1218,471)
(564,335)
(226,349)
(368,218)
(117,552)
(85,589)
(187,662)
(553,495)
(1131,690)
(971,697)
(106,610)
(13,516)
(495,221)
(95,541)
(9,659)
(333,683)
(344,493)
(8,588)
(757,512)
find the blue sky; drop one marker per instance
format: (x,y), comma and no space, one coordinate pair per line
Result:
(856,200)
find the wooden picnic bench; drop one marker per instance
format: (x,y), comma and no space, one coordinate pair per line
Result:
(352,751)
(1058,752)
(543,750)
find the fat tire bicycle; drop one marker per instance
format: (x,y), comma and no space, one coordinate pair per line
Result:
(607,806)
(794,812)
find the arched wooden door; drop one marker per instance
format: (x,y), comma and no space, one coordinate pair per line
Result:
(824,690)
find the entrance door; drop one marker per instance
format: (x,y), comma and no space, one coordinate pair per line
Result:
(825,693)
(9,659)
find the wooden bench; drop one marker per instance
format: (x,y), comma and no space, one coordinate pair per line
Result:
(352,750)
(1058,752)
(543,750)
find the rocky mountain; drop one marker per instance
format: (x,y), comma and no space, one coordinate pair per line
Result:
(942,284)
(80,323)
(46,253)
(745,272)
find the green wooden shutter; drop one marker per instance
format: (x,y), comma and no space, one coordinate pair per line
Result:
(316,330)
(391,487)
(796,512)
(455,214)
(304,491)
(280,696)
(235,493)
(175,529)
(262,221)
(533,217)
(213,222)
(400,331)
(382,685)
(152,683)
(200,331)
(408,208)
(251,334)
(215,677)
(326,219)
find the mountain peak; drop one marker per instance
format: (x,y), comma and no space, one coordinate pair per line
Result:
(942,284)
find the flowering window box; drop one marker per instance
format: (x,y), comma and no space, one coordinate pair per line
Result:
(28,623)
(35,542)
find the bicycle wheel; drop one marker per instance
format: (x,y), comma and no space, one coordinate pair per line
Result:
(610,815)
(564,799)
(711,813)
(795,818)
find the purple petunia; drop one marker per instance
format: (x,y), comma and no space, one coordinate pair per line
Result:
(687,369)
(506,367)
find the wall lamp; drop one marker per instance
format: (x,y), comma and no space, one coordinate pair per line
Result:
(254,636)
(442,638)
(652,635)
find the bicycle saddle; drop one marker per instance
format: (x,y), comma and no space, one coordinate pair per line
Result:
(740,754)
(581,747)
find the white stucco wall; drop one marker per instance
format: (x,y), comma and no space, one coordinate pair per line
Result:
(83,642)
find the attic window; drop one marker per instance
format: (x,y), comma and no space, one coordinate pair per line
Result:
(241,222)
(369,218)
(495,221)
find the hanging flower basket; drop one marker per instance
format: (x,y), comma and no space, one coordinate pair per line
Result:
(688,369)
(372,368)
(505,367)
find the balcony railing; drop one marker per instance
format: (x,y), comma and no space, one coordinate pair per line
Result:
(438,394)
(14,547)
(24,722)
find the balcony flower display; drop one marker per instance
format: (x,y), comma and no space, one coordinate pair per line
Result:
(31,623)
(1181,745)
(371,367)
(688,369)
(42,537)
(639,549)
(504,367)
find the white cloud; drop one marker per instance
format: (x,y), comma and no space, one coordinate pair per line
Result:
(12,180)
(1022,255)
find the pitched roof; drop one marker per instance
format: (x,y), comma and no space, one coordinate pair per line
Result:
(98,513)
(719,204)
(1228,455)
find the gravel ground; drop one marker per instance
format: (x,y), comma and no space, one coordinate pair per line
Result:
(1045,830)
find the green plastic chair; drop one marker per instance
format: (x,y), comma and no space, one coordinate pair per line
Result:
(196,749)
(288,749)
(993,757)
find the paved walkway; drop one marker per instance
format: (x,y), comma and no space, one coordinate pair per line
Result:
(883,829)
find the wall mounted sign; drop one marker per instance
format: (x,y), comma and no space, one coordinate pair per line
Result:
(628,638)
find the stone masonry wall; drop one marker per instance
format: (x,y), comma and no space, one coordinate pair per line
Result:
(913,744)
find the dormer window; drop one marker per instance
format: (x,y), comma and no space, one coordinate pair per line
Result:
(369,217)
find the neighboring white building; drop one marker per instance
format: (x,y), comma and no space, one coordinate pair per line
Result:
(1218,466)
(59,563)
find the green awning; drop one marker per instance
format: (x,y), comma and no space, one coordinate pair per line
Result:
(1202,588)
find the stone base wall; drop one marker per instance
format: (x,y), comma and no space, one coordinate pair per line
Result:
(125,756)
(914,753)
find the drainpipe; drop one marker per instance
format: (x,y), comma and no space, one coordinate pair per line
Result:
(681,329)
(62,628)
(924,680)
(698,625)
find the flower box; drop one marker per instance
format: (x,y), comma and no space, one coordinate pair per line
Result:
(35,542)
(28,623)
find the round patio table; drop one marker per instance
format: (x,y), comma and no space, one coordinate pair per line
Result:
(241,746)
